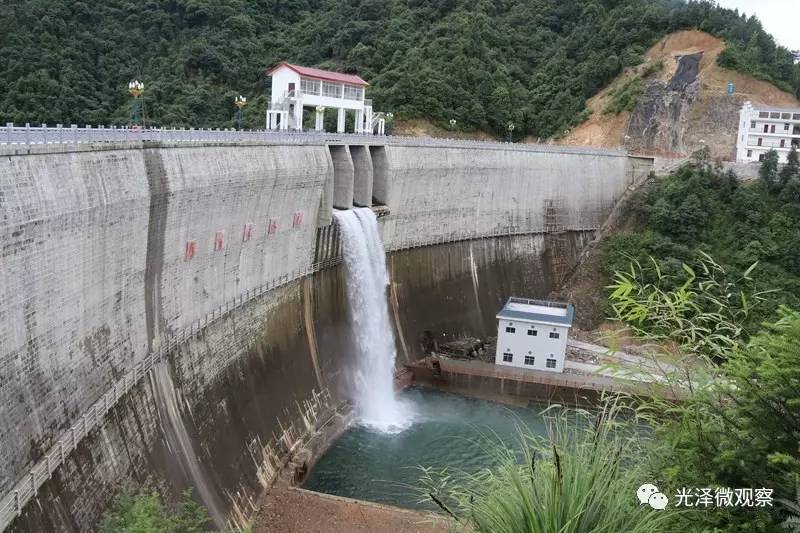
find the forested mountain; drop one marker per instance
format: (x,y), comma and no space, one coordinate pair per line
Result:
(482,62)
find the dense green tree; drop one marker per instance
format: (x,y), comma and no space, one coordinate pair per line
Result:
(738,423)
(484,63)
(700,208)
(769,171)
(792,168)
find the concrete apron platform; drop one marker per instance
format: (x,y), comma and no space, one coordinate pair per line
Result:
(295,510)
(511,385)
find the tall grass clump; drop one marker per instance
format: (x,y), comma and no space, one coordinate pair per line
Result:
(580,477)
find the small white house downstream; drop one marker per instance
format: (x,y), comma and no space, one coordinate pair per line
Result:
(533,334)
(295,88)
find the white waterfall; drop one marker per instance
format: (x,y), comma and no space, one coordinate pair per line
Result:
(367,279)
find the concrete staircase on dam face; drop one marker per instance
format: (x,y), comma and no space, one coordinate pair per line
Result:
(118,256)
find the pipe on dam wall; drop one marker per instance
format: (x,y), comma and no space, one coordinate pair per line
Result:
(109,253)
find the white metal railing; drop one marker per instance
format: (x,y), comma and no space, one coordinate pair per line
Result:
(44,135)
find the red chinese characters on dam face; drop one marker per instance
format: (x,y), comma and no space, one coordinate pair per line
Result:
(190,249)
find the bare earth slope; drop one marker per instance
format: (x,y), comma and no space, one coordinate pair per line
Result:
(676,119)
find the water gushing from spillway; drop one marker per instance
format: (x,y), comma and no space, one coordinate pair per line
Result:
(367,279)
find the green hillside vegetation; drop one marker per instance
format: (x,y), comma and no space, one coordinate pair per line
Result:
(701,209)
(484,63)
(627,95)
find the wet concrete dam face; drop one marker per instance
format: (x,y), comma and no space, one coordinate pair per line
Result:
(179,311)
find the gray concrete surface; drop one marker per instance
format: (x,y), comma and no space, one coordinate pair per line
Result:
(95,277)
(362,175)
(343,177)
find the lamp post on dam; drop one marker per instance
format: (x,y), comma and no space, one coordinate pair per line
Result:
(136,90)
(240,102)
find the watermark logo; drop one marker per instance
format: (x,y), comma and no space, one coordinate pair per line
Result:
(723,497)
(706,497)
(650,495)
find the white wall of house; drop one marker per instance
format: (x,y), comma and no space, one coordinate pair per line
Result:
(763,129)
(541,346)
(281,79)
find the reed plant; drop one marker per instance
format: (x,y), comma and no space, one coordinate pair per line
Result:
(580,477)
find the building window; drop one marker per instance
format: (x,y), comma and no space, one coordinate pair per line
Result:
(763,114)
(749,153)
(761,157)
(753,125)
(331,89)
(774,115)
(786,116)
(508,357)
(309,86)
(352,93)
(551,363)
(766,128)
(786,127)
(554,335)
(510,329)
(772,129)
(783,143)
(796,116)
(760,141)
(532,332)
(529,360)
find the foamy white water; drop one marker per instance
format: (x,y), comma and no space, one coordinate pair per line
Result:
(367,279)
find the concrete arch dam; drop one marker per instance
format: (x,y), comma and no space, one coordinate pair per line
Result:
(177,311)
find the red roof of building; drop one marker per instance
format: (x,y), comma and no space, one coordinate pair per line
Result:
(320,74)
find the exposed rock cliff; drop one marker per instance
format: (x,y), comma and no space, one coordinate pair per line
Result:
(684,107)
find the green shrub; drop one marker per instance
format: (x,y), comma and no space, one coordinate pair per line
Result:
(626,97)
(144,511)
(653,68)
(737,424)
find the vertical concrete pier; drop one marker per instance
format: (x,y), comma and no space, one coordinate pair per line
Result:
(362,175)
(343,176)
(380,174)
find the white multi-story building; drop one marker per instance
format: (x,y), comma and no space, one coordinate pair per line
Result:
(295,88)
(533,334)
(764,129)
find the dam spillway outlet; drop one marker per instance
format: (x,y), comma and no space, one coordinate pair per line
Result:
(377,405)
(448,431)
